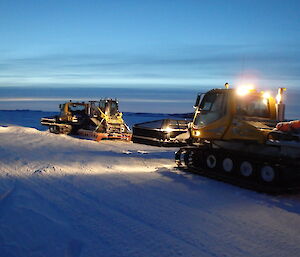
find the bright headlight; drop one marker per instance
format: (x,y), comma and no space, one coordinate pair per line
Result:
(197,133)
(168,129)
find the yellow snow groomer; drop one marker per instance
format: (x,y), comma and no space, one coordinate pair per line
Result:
(96,120)
(233,136)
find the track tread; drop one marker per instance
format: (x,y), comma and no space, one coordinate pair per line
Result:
(252,184)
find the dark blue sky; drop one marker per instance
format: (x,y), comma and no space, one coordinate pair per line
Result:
(166,43)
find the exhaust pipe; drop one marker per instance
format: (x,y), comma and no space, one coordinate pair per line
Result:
(280,106)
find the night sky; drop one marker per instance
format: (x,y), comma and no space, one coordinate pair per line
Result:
(166,43)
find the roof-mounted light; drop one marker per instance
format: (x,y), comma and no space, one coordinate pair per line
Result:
(266,95)
(244,90)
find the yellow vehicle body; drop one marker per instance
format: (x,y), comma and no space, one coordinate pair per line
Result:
(232,116)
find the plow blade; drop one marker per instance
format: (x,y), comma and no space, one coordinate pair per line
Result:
(165,132)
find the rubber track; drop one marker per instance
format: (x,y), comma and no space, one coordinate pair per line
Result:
(240,182)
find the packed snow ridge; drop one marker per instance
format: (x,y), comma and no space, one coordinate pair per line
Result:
(64,196)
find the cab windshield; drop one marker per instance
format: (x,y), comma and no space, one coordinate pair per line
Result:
(212,108)
(109,107)
(113,108)
(76,108)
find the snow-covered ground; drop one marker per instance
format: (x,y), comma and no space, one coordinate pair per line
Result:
(64,196)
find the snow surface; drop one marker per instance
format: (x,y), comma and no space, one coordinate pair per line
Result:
(64,196)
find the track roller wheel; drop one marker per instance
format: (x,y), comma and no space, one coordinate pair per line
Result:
(246,169)
(179,157)
(268,174)
(227,164)
(54,129)
(189,159)
(193,159)
(211,161)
